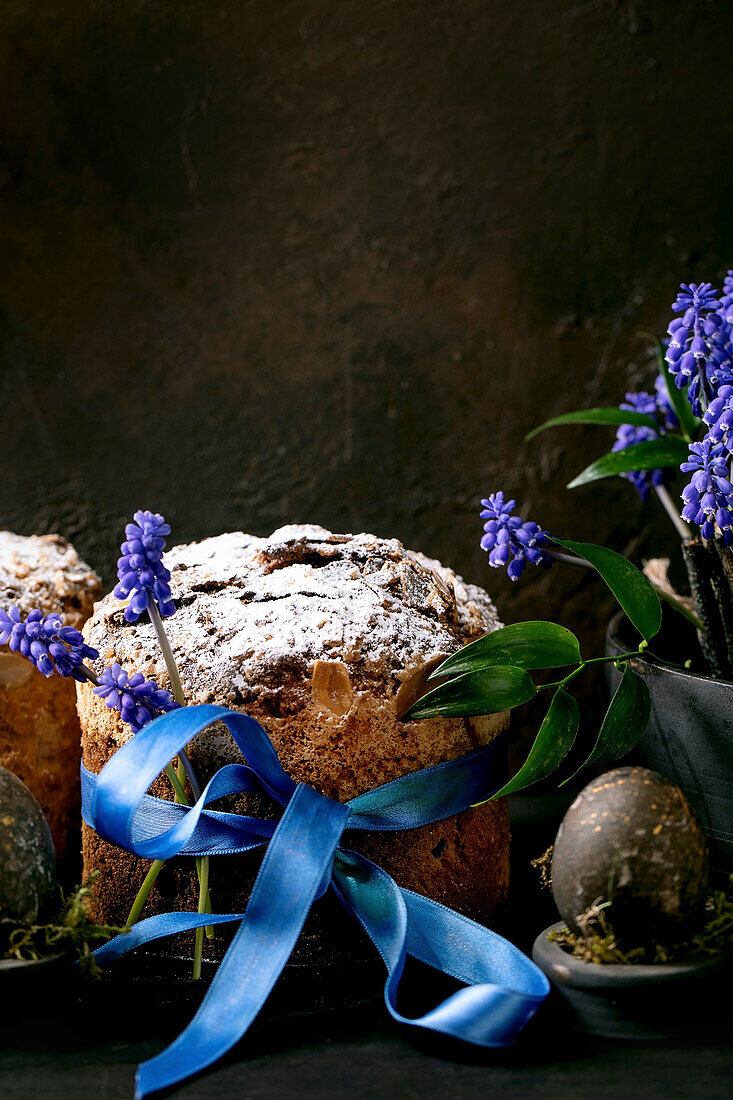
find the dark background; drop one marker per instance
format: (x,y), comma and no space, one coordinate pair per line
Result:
(264,262)
(276,262)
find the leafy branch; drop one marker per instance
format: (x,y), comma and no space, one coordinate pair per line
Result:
(492,674)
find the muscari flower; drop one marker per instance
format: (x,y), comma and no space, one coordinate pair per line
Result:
(709,496)
(726,298)
(719,418)
(510,541)
(138,700)
(46,642)
(699,351)
(140,569)
(628,434)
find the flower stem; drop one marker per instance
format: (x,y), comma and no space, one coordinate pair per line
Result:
(668,504)
(571,559)
(176,782)
(568,559)
(142,895)
(179,794)
(178,790)
(191,775)
(592,661)
(184,769)
(165,647)
(157,865)
(203,908)
(170,663)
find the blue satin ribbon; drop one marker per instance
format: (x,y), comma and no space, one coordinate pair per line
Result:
(304,857)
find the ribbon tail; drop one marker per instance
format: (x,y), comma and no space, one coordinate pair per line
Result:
(296,864)
(157,928)
(503,989)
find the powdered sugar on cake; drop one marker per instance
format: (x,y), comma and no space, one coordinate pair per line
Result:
(253,610)
(45,572)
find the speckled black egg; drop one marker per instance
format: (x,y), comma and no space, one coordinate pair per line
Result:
(27,859)
(630,838)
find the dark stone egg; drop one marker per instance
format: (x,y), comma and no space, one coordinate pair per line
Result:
(27,859)
(631,839)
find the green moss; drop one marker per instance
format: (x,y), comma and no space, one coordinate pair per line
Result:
(72,933)
(543,867)
(596,942)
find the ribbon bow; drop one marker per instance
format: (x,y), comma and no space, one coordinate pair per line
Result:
(502,988)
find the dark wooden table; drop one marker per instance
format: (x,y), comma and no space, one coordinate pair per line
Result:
(57,1046)
(359,1054)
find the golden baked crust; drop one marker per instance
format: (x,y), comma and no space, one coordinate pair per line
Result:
(324,639)
(39,727)
(45,571)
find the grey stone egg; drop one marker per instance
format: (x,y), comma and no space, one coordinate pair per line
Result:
(27,858)
(631,839)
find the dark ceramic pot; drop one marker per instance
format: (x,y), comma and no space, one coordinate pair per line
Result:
(689,739)
(16,973)
(645,1003)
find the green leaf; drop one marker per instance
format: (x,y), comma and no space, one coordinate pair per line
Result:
(625,723)
(677,398)
(551,745)
(598,416)
(485,691)
(670,450)
(679,401)
(628,584)
(528,645)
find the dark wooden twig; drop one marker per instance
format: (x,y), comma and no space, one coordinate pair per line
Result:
(725,555)
(724,599)
(724,590)
(713,601)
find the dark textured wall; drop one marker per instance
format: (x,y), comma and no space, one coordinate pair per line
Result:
(268,262)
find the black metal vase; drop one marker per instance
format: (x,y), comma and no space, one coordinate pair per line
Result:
(689,739)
